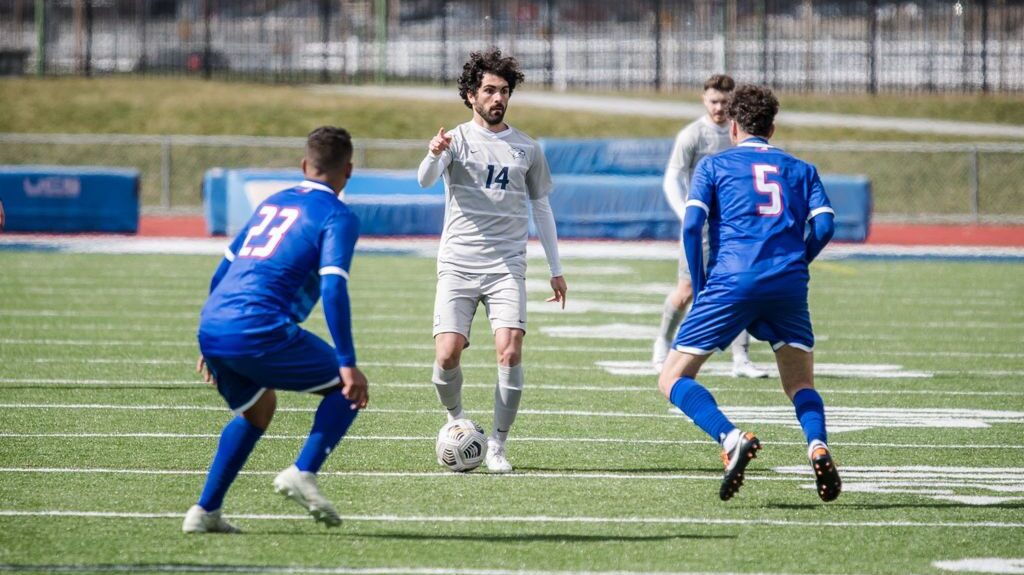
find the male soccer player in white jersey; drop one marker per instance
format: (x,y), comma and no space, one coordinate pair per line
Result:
(492,172)
(703,137)
(297,246)
(768,217)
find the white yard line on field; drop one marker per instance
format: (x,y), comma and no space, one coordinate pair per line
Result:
(191,362)
(533,386)
(296,570)
(537,519)
(842,419)
(594,440)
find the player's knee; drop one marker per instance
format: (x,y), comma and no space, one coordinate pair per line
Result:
(665,383)
(448,356)
(448,361)
(262,412)
(509,356)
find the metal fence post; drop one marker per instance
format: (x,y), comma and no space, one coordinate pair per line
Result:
(207,39)
(984,45)
(657,45)
(165,172)
(40,16)
(975,185)
(873,49)
(325,37)
(549,62)
(87,68)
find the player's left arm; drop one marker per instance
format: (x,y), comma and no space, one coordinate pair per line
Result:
(820,218)
(338,244)
(229,256)
(697,212)
(539,187)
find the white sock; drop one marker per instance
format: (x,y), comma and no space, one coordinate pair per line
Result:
(741,348)
(671,317)
(730,440)
(814,445)
(448,384)
(507,394)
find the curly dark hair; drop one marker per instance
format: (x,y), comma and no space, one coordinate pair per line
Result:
(754,109)
(491,62)
(329,148)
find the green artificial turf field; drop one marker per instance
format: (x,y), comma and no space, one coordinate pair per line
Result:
(106,432)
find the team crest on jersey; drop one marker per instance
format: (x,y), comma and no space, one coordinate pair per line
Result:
(517,153)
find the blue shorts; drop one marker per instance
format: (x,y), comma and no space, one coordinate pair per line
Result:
(306,364)
(712,326)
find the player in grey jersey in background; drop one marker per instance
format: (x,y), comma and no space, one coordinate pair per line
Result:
(491,173)
(705,136)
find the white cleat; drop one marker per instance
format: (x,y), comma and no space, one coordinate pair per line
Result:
(199,520)
(661,347)
(495,458)
(747,369)
(300,487)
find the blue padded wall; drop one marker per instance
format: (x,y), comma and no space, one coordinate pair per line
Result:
(70,199)
(387,202)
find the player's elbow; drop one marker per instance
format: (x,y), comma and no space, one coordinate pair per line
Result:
(824,228)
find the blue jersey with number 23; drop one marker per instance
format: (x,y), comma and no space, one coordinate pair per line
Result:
(273,282)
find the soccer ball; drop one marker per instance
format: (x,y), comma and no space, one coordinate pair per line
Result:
(461,445)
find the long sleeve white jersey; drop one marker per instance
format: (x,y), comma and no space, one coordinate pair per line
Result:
(699,138)
(489,180)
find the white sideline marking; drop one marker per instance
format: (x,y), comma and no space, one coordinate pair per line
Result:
(932,482)
(581,306)
(533,386)
(603,332)
(840,418)
(662,289)
(290,570)
(190,343)
(537,519)
(191,362)
(871,371)
(982,565)
(598,440)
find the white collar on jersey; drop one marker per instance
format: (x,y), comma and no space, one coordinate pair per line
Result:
(754,142)
(501,135)
(314,185)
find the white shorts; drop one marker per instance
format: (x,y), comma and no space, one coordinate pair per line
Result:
(684,267)
(458,294)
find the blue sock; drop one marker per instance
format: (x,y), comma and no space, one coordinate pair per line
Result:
(810,410)
(332,420)
(236,443)
(698,404)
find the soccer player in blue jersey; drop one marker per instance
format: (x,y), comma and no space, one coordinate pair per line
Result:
(296,248)
(768,218)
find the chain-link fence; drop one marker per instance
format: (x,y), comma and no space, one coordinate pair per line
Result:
(910,181)
(827,45)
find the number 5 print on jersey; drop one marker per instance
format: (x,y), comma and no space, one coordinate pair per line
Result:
(772,189)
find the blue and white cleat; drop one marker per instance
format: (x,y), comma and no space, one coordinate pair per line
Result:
(300,487)
(736,462)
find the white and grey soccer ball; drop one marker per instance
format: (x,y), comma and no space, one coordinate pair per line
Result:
(461,445)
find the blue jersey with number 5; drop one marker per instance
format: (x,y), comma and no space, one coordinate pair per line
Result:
(758,199)
(273,282)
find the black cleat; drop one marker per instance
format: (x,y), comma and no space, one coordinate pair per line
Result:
(826,475)
(736,462)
